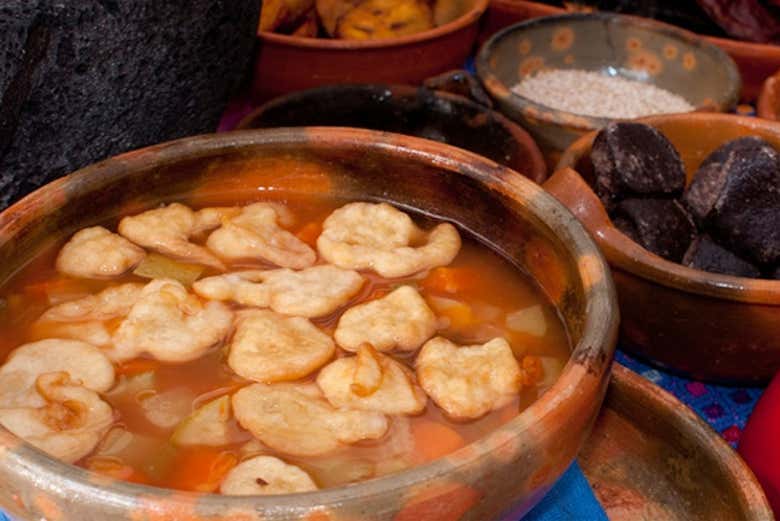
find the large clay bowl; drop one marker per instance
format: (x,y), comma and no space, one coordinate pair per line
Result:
(512,466)
(756,61)
(290,63)
(709,326)
(629,46)
(440,116)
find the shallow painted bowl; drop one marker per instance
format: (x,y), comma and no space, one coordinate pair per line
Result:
(706,325)
(287,63)
(627,46)
(512,466)
(756,61)
(436,115)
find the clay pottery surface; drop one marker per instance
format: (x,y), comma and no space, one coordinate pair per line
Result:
(650,457)
(756,61)
(512,466)
(706,325)
(628,46)
(291,63)
(439,116)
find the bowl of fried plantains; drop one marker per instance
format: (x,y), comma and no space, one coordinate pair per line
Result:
(309,43)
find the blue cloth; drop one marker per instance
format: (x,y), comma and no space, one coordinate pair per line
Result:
(570,499)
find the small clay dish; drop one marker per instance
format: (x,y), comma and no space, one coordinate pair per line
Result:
(768,106)
(651,457)
(706,325)
(756,61)
(511,466)
(440,116)
(289,63)
(616,45)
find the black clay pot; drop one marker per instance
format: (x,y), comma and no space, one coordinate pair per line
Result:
(87,79)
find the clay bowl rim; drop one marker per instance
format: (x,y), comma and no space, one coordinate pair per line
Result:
(498,89)
(767,98)
(469,17)
(590,358)
(703,437)
(632,258)
(537,173)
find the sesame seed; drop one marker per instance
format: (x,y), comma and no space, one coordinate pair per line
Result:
(594,94)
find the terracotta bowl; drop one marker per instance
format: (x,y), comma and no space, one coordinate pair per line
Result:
(768,106)
(440,116)
(706,325)
(628,46)
(290,63)
(756,61)
(511,466)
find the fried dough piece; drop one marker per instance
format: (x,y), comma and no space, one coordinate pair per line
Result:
(307,27)
(92,332)
(86,319)
(312,292)
(445,11)
(70,422)
(393,391)
(209,219)
(377,19)
(82,362)
(296,420)
(264,475)
(167,231)
(256,234)
(268,347)
(401,320)
(96,253)
(112,302)
(378,237)
(468,381)
(170,324)
(278,15)
(331,11)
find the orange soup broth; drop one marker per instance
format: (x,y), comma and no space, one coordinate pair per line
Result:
(472,297)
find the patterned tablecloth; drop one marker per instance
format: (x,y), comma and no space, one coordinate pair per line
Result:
(725,408)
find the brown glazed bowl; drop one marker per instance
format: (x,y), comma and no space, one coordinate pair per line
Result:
(436,115)
(512,466)
(289,63)
(768,106)
(706,325)
(627,46)
(756,61)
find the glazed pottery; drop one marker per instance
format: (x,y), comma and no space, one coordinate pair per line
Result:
(650,457)
(420,112)
(706,325)
(290,63)
(512,466)
(627,46)
(756,61)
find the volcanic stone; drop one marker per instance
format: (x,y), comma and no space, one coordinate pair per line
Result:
(635,160)
(707,255)
(81,81)
(661,226)
(735,195)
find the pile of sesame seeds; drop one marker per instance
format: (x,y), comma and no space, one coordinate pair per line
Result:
(595,94)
